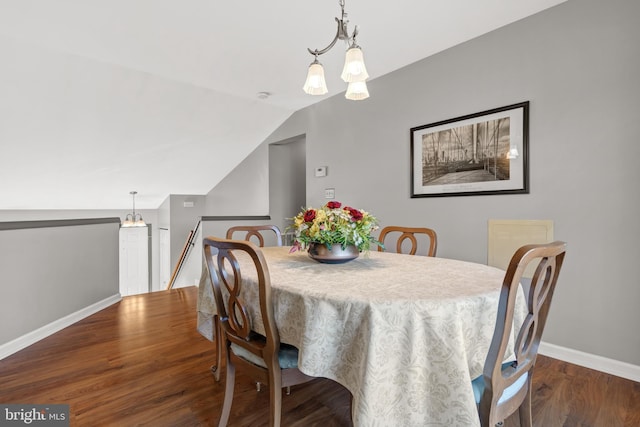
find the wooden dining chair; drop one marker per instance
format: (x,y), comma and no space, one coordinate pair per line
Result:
(410,234)
(251,231)
(262,357)
(504,388)
(256,231)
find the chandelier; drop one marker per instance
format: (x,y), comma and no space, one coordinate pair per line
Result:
(133,219)
(354,71)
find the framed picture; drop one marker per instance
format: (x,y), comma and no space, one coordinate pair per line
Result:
(482,153)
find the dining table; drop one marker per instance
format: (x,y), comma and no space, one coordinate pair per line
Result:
(404,334)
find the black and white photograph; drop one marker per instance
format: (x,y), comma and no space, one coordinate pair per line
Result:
(481,153)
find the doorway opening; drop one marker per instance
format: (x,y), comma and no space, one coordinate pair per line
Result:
(287,181)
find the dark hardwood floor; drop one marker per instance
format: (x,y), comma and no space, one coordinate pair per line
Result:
(141,362)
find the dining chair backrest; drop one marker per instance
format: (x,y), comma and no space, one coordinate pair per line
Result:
(236,267)
(408,233)
(506,387)
(257,232)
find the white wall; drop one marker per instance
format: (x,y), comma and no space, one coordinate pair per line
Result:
(578,65)
(55,102)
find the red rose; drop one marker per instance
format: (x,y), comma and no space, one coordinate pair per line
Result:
(356,215)
(334,205)
(309,215)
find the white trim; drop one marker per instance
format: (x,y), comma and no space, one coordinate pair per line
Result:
(32,337)
(592,361)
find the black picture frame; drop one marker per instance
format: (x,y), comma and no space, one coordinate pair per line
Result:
(476,154)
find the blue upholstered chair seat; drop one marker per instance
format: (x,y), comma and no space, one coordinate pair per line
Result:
(287,356)
(509,392)
(506,400)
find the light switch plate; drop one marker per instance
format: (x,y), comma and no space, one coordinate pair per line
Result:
(329,193)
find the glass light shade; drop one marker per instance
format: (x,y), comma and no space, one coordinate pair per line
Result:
(315,84)
(357,91)
(354,69)
(133,221)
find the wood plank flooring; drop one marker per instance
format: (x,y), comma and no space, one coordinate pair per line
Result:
(141,362)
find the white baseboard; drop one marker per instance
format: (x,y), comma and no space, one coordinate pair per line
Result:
(26,340)
(591,361)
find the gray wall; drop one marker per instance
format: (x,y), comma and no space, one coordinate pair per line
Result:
(287,182)
(150,216)
(269,182)
(578,65)
(245,191)
(182,221)
(51,272)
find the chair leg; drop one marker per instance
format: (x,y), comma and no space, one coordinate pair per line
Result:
(525,410)
(230,380)
(275,398)
(217,331)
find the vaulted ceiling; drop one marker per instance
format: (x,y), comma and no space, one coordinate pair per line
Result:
(98,98)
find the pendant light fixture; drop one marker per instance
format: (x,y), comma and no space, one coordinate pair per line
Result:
(354,71)
(133,219)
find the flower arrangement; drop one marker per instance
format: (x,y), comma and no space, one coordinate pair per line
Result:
(333,224)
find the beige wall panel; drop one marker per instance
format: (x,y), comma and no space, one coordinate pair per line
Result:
(506,236)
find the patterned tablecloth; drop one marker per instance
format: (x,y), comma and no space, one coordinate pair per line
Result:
(404,334)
